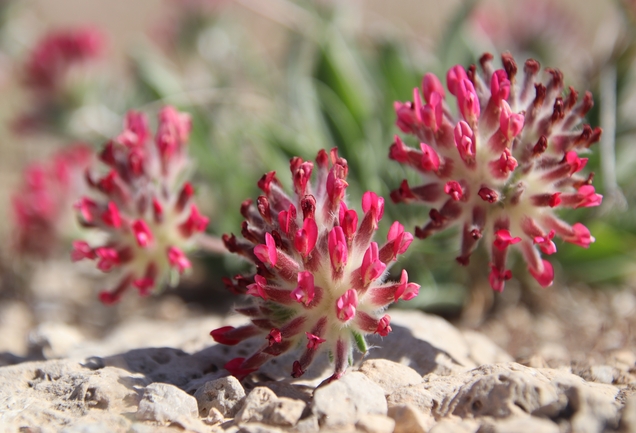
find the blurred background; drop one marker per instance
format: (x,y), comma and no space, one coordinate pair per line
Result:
(265,80)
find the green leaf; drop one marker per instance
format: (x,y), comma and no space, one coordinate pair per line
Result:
(361,343)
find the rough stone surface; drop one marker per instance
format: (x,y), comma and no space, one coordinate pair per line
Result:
(390,375)
(429,375)
(343,402)
(166,403)
(256,406)
(224,394)
(409,419)
(285,411)
(375,424)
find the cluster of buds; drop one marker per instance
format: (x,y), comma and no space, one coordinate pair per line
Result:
(42,202)
(320,279)
(501,169)
(143,205)
(57,52)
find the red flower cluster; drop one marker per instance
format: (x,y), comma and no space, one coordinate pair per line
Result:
(41,206)
(142,204)
(502,167)
(57,52)
(320,278)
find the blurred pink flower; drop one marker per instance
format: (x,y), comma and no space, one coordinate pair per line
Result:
(42,203)
(143,204)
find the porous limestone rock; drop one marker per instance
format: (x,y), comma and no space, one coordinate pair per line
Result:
(225,394)
(390,375)
(344,402)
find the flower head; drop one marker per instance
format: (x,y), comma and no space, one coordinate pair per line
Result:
(502,166)
(142,204)
(319,282)
(42,203)
(58,51)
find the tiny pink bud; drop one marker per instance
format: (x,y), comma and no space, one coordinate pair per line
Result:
(498,278)
(297,370)
(371,268)
(406,290)
(455,75)
(313,341)
(383,326)
(576,164)
(503,239)
(178,259)
(346,305)
(510,123)
(398,150)
(348,220)
(87,208)
(305,239)
(258,288)
(430,84)
(545,276)
(142,233)
(588,197)
(430,159)
(144,285)
(454,190)
(287,218)
(81,250)
(108,258)
(465,142)
(267,253)
(545,242)
(305,290)
(196,222)
(372,203)
(338,251)
(468,101)
(499,85)
(488,195)
(274,336)
(111,216)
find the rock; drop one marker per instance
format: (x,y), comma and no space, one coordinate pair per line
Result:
(307,425)
(504,391)
(430,344)
(256,406)
(214,417)
(344,402)
(601,374)
(375,424)
(285,411)
(408,419)
(390,375)
(521,424)
(255,427)
(55,340)
(628,418)
(457,425)
(225,395)
(166,403)
(49,396)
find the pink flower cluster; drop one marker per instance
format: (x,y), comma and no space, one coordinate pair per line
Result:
(502,167)
(320,278)
(42,202)
(142,204)
(56,52)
